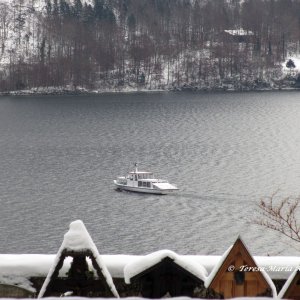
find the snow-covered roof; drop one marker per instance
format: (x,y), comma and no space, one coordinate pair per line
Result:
(287,284)
(239,31)
(216,268)
(17,269)
(77,239)
(165,186)
(222,260)
(278,267)
(26,266)
(138,266)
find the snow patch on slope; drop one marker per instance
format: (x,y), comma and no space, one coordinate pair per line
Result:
(296,60)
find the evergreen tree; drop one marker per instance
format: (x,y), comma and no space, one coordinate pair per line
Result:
(64,9)
(42,51)
(125,6)
(98,9)
(48,7)
(290,64)
(108,15)
(131,22)
(77,9)
(87,14)
(55,10)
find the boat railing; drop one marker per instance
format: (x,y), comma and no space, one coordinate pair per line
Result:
(162,181)
(122,180)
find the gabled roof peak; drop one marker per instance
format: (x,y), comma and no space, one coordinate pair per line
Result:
(240,246)
(78,240)
(140,265)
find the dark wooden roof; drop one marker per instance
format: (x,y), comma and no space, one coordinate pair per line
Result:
(167,278)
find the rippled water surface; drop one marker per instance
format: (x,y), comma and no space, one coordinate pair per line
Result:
(59,156)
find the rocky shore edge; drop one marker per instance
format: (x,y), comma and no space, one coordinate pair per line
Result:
(288,84)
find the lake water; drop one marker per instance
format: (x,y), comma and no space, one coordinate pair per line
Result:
(225,151)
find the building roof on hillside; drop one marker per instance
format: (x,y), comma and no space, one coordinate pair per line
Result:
(239,32)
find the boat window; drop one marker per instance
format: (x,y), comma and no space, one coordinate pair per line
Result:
(144,183)
(148,184)
(140,183)
(135,178)
(139,176)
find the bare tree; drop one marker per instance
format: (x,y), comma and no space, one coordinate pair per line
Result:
(4,23)
(281,216)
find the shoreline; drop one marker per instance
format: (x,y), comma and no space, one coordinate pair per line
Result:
(78,92)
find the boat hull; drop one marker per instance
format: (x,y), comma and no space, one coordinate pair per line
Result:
(142,190)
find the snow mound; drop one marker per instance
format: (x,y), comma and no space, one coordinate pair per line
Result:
(78,238)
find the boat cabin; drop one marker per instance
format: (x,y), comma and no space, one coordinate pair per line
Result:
(143,179)
(140,175)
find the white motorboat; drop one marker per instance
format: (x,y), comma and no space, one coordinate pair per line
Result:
(144,182)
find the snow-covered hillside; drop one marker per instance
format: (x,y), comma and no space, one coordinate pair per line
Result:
(105,45)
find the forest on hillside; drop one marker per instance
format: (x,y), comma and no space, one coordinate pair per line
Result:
(151,44)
